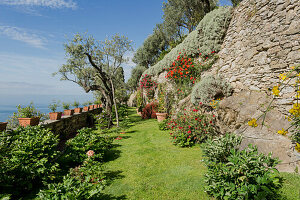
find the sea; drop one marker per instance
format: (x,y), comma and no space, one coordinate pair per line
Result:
(9,103)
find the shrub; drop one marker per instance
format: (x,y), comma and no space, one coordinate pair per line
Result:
(207,37)
(191,127)
(83,182)
(27,156)
(150,111)
(86,140)
(163,126)
(218,149)
(246,175)
(210,88)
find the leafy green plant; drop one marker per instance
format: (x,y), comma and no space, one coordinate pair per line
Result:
(85,103)
(83,182)
(28,111)
(191,127)
(27,156)
(246,175)
(218,149)
(163,126)
(53,106)
(66,106)
(76,104)
(85,140)
(210,88)
(90,102)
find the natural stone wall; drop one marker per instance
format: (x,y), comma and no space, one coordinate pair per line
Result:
(262,41)
(68,125)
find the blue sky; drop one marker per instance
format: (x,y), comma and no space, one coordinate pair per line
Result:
(32,33)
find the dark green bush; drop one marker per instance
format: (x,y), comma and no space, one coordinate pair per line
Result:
(85,140)
(83,182)
(234,174)
(26,157)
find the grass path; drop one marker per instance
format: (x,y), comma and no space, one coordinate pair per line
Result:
(150,167)
(145,165)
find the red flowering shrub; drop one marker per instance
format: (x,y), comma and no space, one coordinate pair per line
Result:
(191,127)
(149,111)
(148,85)
(185,70)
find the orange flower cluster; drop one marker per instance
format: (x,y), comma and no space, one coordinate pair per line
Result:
(182,68)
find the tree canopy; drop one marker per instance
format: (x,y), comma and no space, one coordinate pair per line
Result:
(96,65)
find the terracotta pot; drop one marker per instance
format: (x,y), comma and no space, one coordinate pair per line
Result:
(3,126)
(55,115)
(86,108)
(77,110)
(95,106)
(91,107)
(29,121)
(161,116)
(101,105)
(68,112)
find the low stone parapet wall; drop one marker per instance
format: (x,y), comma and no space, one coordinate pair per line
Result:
(68,125)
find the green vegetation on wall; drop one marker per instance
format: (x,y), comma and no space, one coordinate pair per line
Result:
(210,88)
(207,37)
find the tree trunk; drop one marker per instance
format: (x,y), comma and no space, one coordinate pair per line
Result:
(114,100)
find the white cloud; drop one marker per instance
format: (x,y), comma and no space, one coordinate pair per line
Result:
(41,3)
(23,35)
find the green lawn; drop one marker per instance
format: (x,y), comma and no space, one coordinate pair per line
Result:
(145,165)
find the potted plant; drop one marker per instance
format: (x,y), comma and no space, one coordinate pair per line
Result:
(85,106)
(28,116)
(162,111)
(91,106)
(3,126)
(67,111)
(53,107)
(77,109)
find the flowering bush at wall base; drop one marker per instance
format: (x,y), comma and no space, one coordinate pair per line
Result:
(191,127)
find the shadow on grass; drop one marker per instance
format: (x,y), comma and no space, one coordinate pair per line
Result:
(111,197)
(113,175)
(111,155)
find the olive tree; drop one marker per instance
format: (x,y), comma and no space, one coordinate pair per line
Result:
(93,65)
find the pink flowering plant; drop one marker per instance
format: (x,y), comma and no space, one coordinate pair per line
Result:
(191,127)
